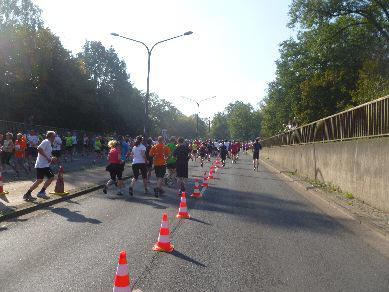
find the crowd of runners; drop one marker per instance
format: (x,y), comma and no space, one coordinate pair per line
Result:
(167,159)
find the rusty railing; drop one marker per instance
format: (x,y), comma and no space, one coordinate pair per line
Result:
(368,120)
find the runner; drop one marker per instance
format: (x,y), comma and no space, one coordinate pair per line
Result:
(74,144)
(160,153)
(182,154)
(234,151)
(32,144)
(86,145)
(223,153)
(149,159)
(20,153)
(98,149)
(138,164)
(68,147)
(7,152)
(256,148)
(171,163)
(195,147)
(203,153)
(57,147)
(115,167)
(42,166)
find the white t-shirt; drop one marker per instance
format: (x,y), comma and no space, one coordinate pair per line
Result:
(137,152)
(57,144)
(32,140)
(41,161)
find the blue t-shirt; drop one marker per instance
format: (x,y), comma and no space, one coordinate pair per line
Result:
(124,150)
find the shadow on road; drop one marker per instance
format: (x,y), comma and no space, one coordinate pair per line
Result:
(180,255)
(267,209)
(74,216)
(199,221)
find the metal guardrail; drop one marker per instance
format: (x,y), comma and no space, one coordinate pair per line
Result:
(368,120)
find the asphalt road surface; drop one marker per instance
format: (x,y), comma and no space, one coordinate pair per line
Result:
(250,232)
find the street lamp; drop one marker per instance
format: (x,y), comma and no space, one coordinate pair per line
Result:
(198,109)
(145,129)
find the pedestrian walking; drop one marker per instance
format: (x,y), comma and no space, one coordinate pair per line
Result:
(160,153)
(115,167)
(42,166)
(138,164)
(182,154)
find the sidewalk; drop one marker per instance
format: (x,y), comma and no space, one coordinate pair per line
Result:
(74,181)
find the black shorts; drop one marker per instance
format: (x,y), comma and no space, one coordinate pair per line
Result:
(160,171)
(56,153)
(182,170)
(194,151)
(69,148)
(256,155)
(139,167)
(41,173)
(171,166)
(150,163)
(115,171)
(32,151)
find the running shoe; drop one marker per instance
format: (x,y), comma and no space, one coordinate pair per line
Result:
(131,191)
(119,194)
(42,195)
(28,197)
(105,190)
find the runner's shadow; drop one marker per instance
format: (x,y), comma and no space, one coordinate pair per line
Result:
(149,202)
(200,221)
(176,253)
(74,216)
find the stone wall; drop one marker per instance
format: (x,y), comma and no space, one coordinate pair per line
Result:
(360,167)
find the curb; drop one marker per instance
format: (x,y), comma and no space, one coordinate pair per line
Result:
(323,196)
(73,194)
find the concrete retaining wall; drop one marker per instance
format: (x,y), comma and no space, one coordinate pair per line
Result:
(360,167)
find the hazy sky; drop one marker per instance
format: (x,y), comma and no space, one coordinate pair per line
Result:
(230,54)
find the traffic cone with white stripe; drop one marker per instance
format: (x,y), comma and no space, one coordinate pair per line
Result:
(196,192)
(205,183)
(122,278)
(183,210)
(2,192)
(163,243)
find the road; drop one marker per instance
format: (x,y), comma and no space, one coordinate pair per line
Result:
(251,232)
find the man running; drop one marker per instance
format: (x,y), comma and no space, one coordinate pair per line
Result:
(160,153)
(42,166)
(223,152)
(182,154)
(171,163)
(203,153)
(256,148)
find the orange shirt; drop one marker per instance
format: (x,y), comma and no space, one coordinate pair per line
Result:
(20,148)
(160,153)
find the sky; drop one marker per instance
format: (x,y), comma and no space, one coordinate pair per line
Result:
(231,53)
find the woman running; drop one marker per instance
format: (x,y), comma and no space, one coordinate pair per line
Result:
(139,164)
(115,167)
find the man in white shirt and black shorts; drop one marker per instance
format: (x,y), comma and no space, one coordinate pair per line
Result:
(42,166)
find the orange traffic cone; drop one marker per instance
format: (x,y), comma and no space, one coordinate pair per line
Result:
(59,186)
(183,210)
(205,183)
(122,277)
(196,192)
(2,192)
(163,243)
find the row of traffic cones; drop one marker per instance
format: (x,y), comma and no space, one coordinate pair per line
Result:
(122,278)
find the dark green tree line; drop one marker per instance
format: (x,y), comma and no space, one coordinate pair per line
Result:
(338,60)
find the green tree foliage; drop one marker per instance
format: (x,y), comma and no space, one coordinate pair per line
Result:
(239,121)
(89,91)
(339,59)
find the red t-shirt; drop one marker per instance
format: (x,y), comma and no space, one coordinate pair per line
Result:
(114,156)
(234,148)
(20,148)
